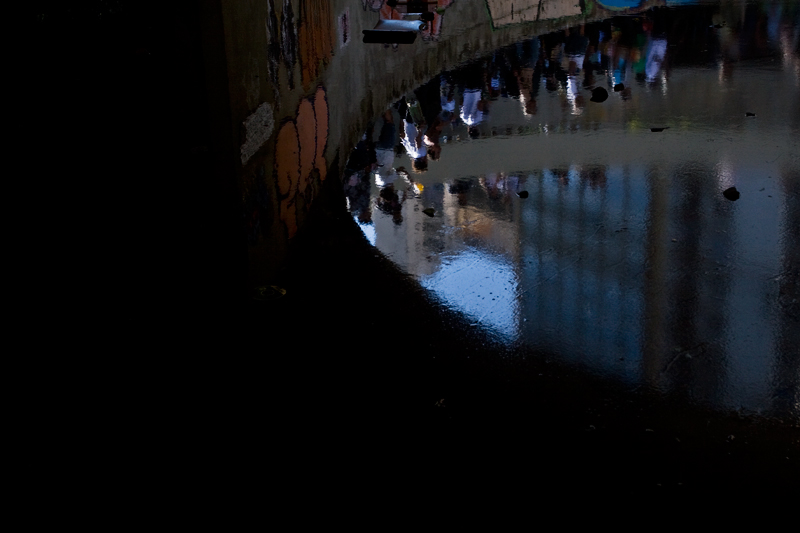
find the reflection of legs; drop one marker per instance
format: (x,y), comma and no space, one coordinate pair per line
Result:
(388,135)
(402,107)
(389,202)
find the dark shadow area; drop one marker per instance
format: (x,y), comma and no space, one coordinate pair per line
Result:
(357,376)
(377,381)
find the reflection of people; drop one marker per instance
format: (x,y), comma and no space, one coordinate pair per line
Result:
(472,107)
(529,77)
(428,98)
(362,157)
(460,187)
(435,26)
(447,98)
(495,186)
(520,71)
(555,76)
(390,199)
(390,203)
(434,132)
(357,171)
(472,79)
(656,53)
(411,137)
(356,190)
(394,182)
(575,45)
(384,147)
(595,176)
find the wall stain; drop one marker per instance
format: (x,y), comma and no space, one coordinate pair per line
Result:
(256,130)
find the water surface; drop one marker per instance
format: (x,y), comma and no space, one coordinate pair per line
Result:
(598,230)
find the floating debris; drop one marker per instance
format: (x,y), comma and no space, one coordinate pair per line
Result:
(658,130)
(429,211)
(749,114)
(599,95)
(522,194)
(731,194)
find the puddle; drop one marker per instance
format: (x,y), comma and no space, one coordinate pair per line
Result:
(624,256)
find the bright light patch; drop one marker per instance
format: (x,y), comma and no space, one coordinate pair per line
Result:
(480,285)
(369,232)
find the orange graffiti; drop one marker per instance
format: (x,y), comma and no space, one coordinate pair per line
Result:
(306,134)
(287,159)
(315,38)
(289,216)
(299,151)
(321,120)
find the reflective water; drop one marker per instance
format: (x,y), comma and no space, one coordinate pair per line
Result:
(596,228)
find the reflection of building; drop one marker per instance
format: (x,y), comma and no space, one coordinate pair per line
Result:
(640,272)
(686,312)
(580,273)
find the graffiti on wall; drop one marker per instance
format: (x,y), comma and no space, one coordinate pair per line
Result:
(288,40)
(504,12)
(316,38)
(300,158)
(273,43)
(301,36)
(307,39)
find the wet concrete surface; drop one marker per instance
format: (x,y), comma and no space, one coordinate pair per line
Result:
(392,387)
(567,293)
